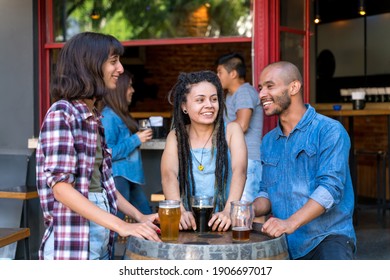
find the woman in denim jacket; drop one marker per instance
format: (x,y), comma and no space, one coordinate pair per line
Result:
(124,140)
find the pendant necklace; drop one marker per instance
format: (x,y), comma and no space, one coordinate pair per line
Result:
(200,166)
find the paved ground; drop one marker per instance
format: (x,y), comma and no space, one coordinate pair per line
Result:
(373,236)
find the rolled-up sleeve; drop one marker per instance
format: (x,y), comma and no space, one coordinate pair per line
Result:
(60,164)
(333,167)
(323,197)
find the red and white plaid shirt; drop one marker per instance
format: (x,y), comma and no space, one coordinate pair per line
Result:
(66,153)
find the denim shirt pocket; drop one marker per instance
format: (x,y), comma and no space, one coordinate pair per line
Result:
(306,162)
(270,171)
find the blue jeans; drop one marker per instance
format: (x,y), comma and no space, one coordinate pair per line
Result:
(134,194)
(98,235)
(333,247)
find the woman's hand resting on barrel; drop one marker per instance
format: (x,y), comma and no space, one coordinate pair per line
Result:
(150,217)
(146,230)
(144,227)
(220,221)
(187,220)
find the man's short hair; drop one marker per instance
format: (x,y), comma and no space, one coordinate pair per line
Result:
(233,61)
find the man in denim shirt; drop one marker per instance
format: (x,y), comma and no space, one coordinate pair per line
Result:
(306,182)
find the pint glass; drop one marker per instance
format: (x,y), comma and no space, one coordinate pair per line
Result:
(241,214)
(169,213)
(202,208)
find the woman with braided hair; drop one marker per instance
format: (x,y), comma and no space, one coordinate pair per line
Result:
(203,156)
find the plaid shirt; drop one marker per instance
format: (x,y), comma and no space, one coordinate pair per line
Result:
(66,153)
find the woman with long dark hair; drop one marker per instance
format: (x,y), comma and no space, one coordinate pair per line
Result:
(203,156)
(124,140)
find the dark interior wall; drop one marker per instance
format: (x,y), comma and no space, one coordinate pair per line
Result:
(162,65)
(352,53)
(328,89)
(333,10)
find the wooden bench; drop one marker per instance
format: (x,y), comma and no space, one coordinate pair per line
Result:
(21,192)
(11,235)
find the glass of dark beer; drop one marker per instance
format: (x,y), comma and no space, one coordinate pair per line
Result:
(241,214)
(202,208)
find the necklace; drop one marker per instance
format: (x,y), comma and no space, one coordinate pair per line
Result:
(200,166)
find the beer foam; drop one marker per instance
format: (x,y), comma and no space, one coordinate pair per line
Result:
(169,206)
(240,228)
(203,206)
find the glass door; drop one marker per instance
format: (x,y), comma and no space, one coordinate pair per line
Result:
(281,32)
(295,37)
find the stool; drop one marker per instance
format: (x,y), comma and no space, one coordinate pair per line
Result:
(156,198)
(381,204)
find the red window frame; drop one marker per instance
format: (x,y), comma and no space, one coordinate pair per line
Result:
(267,30)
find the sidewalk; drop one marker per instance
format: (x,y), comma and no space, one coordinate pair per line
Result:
(373,240)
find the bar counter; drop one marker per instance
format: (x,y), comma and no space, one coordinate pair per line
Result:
(354,113)
(154,144)
(370,106)
(145,115)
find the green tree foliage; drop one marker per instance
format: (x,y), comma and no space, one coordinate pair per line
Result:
(150,19)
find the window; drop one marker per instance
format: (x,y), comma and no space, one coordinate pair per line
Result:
(152,19)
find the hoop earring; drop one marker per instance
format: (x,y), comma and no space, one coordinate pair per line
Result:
(185,111)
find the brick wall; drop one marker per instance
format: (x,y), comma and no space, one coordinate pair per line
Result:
(163,64)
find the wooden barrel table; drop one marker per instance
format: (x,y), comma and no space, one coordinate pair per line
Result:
(209,246)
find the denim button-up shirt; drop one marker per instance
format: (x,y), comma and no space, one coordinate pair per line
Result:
(310,163)
(126,154)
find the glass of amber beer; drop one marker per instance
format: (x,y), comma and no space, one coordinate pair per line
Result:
(202,208)
(169,214)
(241,214)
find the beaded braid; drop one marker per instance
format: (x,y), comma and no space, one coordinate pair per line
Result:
(179,94)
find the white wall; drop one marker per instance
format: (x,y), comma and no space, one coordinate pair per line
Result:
(16,75)
(17,106)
